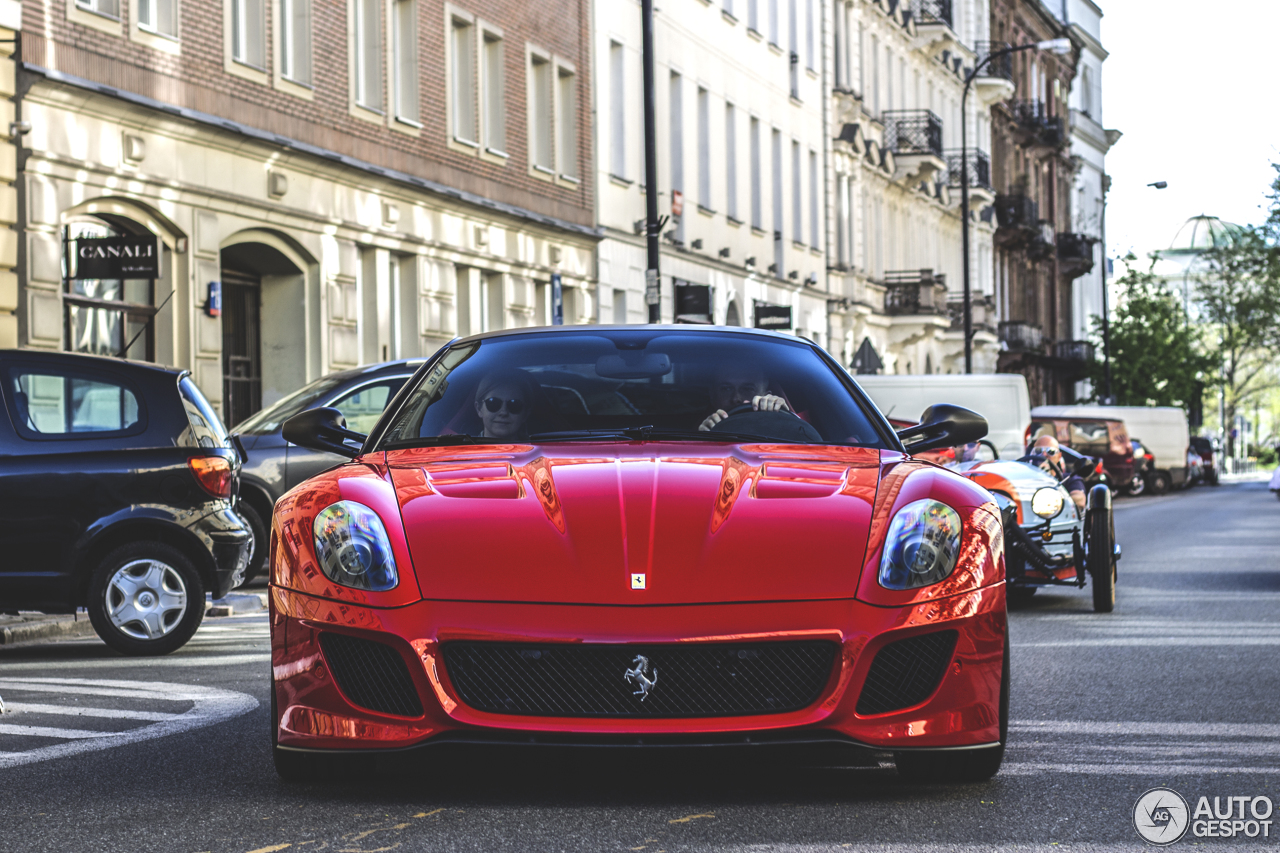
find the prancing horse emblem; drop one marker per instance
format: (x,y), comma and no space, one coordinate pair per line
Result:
(639,676)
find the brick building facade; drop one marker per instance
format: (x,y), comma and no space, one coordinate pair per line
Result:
(363,178)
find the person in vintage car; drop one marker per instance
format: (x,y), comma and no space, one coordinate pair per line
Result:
(538,543)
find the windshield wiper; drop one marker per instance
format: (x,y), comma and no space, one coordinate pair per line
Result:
(650,433)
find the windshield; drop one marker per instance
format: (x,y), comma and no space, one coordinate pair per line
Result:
(695,385)
(269,419)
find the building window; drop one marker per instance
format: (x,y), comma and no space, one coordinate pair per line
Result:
(567,123)
(463,71)
(368,38)
(757,199)
(704,148)
(404,44)
(773,23)
(779,257)
(159,17)
(619,307)
(815,230)
(295,41)
(797,196)
(617,111)
(110,8)
(248,46)
(493,95)
(808,33)
(109,316)
(730,163)
(753,15)
(540,150)
(676,129)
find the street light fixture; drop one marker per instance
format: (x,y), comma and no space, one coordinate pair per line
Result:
(1060,46)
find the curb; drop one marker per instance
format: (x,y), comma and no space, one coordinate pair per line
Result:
(45,629)
(236,602)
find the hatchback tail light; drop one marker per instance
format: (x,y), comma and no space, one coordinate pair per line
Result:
(213,473)
(1097,468)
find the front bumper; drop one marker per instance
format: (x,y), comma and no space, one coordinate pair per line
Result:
(313,713)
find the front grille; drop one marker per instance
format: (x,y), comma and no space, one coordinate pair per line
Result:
(906,673)
(585,680)
(372,675)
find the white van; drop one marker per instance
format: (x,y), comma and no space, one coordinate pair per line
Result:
(1001,398)
(1161,429)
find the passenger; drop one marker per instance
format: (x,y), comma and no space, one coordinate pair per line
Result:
(737,386)
(503,401)
(1046,453)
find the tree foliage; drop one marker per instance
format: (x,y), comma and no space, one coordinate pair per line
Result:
(1156,359)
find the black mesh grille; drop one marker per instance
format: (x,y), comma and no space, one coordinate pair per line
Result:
(906,673)
(372,675)
(702,680)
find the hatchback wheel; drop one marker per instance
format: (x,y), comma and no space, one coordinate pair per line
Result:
(145,598)
(1158,482)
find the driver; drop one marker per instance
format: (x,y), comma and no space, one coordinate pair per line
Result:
(1046,454)
(503,400)
(734,386)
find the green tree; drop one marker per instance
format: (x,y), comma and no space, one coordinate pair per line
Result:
(1238,300)
(1156,358)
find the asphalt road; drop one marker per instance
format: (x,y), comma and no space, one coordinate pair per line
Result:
(1177,688)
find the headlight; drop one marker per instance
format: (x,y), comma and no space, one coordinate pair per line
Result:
(921,546)
(352,547)
(1046,502)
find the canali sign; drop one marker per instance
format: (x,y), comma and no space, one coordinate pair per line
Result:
(116,257)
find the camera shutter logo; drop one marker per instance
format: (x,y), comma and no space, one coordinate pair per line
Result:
(1161,816)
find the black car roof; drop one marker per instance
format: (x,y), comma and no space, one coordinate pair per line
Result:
(100,361)
(597,328)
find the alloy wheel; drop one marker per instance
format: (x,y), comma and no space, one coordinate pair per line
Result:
(145,599)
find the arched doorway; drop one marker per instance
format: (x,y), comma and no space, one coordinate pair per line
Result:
(731,317)
(264,323)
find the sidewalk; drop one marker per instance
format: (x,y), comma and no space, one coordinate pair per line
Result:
(29,627)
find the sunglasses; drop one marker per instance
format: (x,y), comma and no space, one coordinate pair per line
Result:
(514,406)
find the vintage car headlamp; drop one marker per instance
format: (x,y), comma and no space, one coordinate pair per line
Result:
(352,547)
(922,545)
(1047,502)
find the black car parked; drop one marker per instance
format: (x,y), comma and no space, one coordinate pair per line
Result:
(117,490)
(275,466)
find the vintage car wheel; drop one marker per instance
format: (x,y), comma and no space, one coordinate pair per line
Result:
(145,598)
(1101,561)
(1136,486)
(960,765)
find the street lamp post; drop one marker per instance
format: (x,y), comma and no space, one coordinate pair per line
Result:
(652,227)
(1059,46)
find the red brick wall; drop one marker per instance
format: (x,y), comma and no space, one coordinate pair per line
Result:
(197,79)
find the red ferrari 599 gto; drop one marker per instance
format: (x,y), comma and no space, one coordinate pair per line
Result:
(638,535)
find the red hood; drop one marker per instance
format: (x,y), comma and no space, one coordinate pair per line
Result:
(573,523)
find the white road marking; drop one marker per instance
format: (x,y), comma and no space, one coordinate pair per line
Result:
(140,663)
(1242,640)
(1131,727)
(209,705)
(82,711)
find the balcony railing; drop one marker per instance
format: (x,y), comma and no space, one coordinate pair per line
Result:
(1075,253)
(931,11)
(915,292)
(982,313)
(1035,121)
(1077,352)
(1020,337)
(979,167)
(1001,67)
(912,132)
(1016,210)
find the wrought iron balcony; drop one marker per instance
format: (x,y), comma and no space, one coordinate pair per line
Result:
(979,168)
(1019,336)
(1076,352)
(1016,210)
(912,132)
(1001,67)
(931,12)
(1037,125)
(915,292)
(1075,253)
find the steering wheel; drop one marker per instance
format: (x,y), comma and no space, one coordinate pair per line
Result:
(743,408)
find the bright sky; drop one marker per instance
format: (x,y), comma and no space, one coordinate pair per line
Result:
(1190,84)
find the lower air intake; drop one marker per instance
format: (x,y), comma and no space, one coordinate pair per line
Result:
(684,680)
(906,673)
(372,675)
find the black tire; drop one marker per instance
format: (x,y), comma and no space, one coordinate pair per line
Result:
(1101,562)
(1136,486)
(964,765)
(1158,482)
(158,574)
(261,539)
(1020,594)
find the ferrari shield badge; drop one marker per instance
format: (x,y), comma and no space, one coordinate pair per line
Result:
(637,581)
(639,677)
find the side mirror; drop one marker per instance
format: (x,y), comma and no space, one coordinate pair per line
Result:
(943,425)
(322,429)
